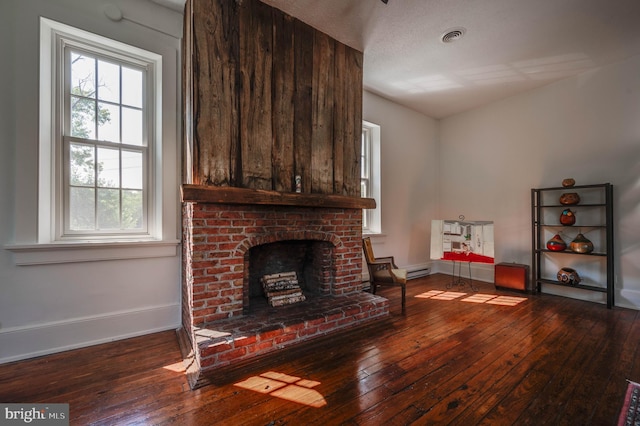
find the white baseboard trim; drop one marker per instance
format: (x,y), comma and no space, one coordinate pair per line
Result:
(18,343)
(628,299)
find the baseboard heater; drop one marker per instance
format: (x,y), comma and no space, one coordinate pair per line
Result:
(417,271)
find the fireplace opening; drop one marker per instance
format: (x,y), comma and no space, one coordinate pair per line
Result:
(311,260)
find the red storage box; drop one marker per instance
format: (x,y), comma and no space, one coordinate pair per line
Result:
(512,276)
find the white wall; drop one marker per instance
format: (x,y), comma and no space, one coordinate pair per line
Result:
(52,307)
(409,172)
(587,128)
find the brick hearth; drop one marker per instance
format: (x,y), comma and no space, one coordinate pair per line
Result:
(235,339)
(218,325)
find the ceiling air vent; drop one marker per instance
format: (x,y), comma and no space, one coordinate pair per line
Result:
(453,34)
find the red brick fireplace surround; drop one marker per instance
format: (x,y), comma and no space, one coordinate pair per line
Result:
(227,246)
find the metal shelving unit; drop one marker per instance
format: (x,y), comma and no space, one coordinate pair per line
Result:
(594,216)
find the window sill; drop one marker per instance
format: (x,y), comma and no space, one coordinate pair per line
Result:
(74,252)
(373,234)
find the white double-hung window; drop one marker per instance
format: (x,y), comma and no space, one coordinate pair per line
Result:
(103,138)
(370,176)
(105,145)
(365,172)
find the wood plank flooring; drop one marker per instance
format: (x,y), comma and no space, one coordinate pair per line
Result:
(446,360)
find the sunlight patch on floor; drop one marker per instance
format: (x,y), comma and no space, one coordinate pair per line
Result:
(177,367)
(441,295)
(208,334)
(507,300)
(479,298)
(492,299)
(286,387)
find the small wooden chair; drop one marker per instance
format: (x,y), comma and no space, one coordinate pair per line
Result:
(383,271)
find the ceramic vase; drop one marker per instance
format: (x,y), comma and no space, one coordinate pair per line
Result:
(581,244)
(556,243)
(568,276)
(567,217)
(569,198)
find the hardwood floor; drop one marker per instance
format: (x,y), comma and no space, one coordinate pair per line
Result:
(543,360)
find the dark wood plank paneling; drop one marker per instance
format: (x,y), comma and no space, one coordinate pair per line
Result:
(186,44)
(347,120)
(303,80)
(322,114)
(215,100)
(256,49)
(283,106)
(353,123)
(269,94)
(340,113)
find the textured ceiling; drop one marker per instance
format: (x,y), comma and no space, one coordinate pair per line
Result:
(510,46)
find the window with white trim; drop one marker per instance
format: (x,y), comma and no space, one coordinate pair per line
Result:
(370,176)
(365,172)
(103,106)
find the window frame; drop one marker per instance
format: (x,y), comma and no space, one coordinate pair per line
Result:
(365,172)
(370,156)
(67,139)
(56,40)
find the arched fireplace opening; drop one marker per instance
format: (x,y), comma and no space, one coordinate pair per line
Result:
(311,260)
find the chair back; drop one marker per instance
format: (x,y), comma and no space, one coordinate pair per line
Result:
(368,250)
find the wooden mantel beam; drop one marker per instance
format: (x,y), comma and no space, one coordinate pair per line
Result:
(234,195)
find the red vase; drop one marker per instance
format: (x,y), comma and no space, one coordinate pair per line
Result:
(567,217)
(556,243)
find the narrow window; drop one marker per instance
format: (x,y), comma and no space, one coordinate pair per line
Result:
(370,176)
